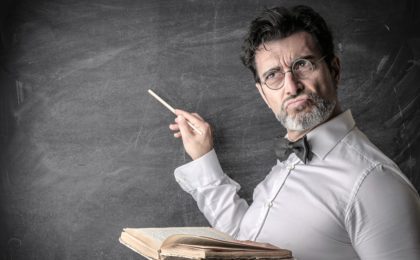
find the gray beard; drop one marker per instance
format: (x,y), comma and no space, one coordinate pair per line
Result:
(302,121)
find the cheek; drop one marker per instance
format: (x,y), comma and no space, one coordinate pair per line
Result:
(324,87)
(328,91)
(275,101)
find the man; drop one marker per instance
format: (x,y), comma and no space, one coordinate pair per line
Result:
(336,196)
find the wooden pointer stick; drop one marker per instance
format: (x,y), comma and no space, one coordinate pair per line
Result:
(172,109)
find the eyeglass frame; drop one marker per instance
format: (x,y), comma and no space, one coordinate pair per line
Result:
(291,71)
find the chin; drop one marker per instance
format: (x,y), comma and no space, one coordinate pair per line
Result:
(299,110)
(302,118)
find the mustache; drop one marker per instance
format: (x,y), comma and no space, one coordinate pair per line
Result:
(311,96)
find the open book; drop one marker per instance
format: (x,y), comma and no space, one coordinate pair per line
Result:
(196,243)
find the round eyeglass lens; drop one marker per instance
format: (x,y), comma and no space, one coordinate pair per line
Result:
(302,68)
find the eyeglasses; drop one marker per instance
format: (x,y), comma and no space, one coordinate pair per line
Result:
(300,69)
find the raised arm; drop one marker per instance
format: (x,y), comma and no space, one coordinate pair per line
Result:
(203,178)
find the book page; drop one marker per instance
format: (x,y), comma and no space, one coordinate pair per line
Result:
(156,236)
(223,253)
(137,246)
(209,242)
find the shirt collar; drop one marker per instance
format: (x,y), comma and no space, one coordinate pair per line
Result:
(325,137)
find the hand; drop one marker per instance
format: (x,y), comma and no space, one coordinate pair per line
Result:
(195,144)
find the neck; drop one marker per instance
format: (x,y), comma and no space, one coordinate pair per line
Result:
(293,135)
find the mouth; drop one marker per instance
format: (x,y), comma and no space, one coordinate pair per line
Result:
(293,103)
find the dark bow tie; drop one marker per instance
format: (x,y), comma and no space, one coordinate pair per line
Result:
(284,148)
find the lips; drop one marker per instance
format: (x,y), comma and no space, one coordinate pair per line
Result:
(296,102)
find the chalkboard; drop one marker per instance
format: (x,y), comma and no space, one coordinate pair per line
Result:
(86,151)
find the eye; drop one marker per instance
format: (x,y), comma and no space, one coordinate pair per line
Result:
(272,75)
(302,65)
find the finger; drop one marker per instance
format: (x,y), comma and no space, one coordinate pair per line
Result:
(177,135)
(190,117)
(195,121)
(185,129)
(174,127)
(197,115)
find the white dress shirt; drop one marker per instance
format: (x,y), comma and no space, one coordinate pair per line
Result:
(349,202)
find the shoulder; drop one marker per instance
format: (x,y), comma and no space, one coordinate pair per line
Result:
(371,175)
(383,205)
(377,172)
(360,146)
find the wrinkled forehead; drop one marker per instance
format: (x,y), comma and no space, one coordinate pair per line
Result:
(284,51)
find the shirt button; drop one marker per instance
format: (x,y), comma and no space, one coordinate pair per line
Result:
(269,204)
(290,167)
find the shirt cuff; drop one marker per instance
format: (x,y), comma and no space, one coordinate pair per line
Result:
(201,172)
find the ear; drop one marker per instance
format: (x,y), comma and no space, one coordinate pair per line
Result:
(336,70)
(260,89)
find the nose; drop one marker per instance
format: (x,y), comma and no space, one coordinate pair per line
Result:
(292,86)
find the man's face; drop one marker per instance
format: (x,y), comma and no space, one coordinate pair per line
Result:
(300,104)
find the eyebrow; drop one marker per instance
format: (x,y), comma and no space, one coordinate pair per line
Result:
(278,68)
(274,69)
(307,57)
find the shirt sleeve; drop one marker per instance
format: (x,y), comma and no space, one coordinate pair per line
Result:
(384,217)
(214,191)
